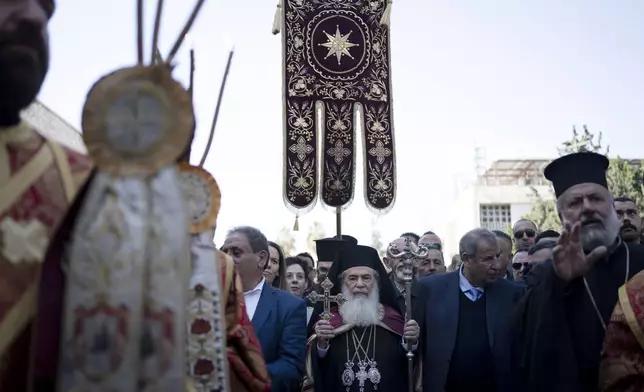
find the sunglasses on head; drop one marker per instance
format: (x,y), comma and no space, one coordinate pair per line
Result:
(432,245)
(520,233)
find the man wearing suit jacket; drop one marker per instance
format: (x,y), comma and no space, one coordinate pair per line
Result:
(279,318)
(465,318)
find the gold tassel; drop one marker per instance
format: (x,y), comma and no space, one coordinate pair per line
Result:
(386,15)
(277,21)
(296,225)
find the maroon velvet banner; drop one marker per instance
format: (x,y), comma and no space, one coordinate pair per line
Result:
(336,76)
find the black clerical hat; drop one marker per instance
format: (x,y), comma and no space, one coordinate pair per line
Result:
(328,248)
(363,256)
(577,168)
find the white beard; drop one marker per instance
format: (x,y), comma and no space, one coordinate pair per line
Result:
(359,310)
(593,237)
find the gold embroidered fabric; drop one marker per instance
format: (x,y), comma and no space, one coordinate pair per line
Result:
(34,195)
(124,322)
(203,197)
(206,354)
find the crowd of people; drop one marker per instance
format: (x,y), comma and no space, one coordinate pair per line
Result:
(93,295)
(528,312)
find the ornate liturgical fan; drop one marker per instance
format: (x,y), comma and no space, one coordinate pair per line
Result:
(137,120)
(203,197)
(124,321)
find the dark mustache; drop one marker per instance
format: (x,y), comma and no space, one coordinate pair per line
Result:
(25,34)
(628,226)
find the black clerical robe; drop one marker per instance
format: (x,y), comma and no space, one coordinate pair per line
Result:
(559,333)
(325,374)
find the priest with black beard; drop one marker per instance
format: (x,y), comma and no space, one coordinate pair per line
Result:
(363,346)
(563,316)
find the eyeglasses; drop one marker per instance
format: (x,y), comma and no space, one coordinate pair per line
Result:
(520,233)
(432,245)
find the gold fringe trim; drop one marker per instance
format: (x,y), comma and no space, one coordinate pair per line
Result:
(277,20)
(386,15)
(629,314)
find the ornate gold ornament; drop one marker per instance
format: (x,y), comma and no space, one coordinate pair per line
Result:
(137,120)
(204,197)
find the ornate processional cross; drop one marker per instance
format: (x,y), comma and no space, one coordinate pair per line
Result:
(326,298)
(362,375)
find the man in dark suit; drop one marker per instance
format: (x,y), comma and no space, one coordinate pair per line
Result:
(279,318)
(465,319)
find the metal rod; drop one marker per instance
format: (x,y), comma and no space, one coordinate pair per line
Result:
(410,352)
(186,29)
(157,56)
(216,116)
(338,222)
(192,73)
(155,32)
(139,31)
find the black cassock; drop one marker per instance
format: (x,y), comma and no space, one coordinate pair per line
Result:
(390,356)
(559,334)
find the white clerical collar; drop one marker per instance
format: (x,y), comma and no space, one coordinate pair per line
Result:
(256,288)
(465,284)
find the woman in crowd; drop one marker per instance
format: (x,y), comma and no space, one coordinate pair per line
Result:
(306,256)
(456,263)
(275,269)
(298,279)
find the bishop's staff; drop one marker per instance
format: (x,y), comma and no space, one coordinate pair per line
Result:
(408,257)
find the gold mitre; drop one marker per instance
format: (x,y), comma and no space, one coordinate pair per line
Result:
(137,120)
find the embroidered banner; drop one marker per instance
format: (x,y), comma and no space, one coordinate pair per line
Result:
(336,75)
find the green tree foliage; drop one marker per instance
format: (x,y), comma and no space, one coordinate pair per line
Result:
(376,239)
(544,212)
(286,240)
(624,179)
(316,232)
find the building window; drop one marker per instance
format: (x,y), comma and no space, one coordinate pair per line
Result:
(495,216)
